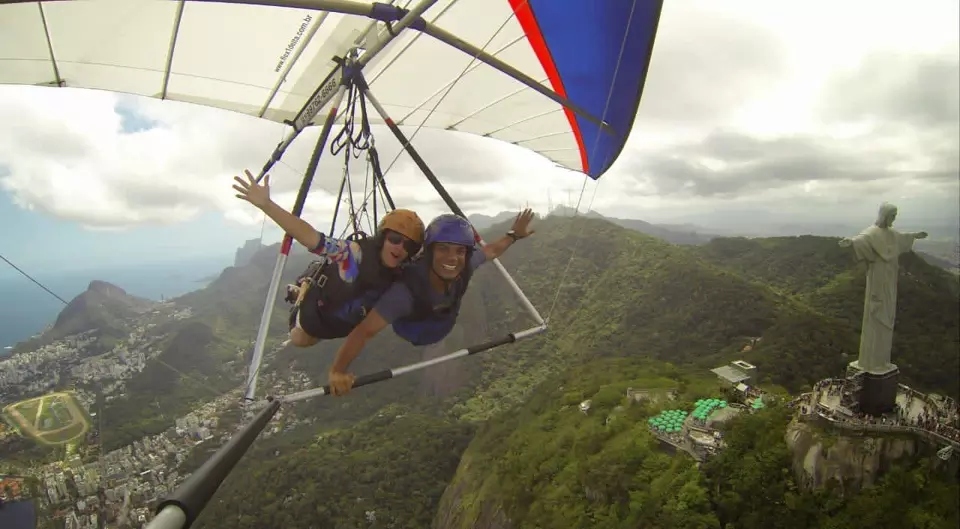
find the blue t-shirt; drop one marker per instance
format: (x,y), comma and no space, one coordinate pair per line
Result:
(397,301)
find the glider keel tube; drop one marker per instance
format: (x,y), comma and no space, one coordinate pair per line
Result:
(286,246)
(387,374)
(408,19)
(181,509)
(325,92)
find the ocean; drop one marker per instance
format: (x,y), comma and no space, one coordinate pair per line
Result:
(26,309)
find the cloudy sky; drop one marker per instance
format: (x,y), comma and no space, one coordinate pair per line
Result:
(754,111)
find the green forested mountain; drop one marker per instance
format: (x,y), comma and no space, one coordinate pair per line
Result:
(102,310)
(547,465)
(188,371)
(628,310)
(99,307)
(392,468)
(201,357)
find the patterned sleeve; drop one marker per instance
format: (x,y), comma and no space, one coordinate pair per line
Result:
(334,249)
(346,254)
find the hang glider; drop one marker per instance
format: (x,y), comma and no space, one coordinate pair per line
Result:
(562,78)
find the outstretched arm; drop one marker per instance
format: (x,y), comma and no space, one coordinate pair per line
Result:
(497,247)
(396,302)
(259,196)
(298,228)
(356,340)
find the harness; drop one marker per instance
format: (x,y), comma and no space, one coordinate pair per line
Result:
(428,324)
(341,305)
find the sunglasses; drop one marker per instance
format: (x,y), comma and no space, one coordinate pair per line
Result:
(408,245)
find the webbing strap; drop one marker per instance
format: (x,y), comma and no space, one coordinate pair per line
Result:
(374,158)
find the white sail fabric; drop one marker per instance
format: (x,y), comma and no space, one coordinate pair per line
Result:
(266,61)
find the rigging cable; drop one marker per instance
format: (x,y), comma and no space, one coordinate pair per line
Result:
(39,284)
(263,220)
(65,302)
(596,143)
(353,145)
(593,150)
(100,409)
(381,174)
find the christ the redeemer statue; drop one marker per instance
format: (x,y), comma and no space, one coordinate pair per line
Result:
(880,246)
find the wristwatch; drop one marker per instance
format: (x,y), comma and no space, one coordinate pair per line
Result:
(513,235)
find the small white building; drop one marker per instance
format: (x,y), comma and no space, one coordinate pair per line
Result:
(585,406)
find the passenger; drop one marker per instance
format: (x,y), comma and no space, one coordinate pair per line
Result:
(336,293)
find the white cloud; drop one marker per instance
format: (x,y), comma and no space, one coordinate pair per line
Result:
(758,68)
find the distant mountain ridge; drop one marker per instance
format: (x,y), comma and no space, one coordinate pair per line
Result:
(482,222)
(676,234)
(936,253)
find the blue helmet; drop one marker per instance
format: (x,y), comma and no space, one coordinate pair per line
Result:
(449,228)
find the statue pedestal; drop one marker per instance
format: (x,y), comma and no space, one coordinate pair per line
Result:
(878,388)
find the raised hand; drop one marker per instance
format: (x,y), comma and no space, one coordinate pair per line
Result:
(522,223)
(249,190)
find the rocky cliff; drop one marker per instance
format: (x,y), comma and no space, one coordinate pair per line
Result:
(460,505)
(851,461)
(246,252)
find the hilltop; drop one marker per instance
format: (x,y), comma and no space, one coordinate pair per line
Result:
(623,293)
(103,308)
(625,308)
(939,253)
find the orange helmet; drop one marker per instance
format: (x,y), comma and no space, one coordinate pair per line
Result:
(404,222)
